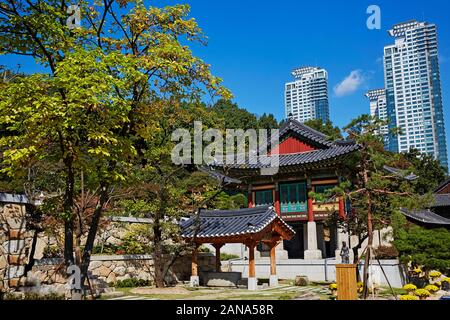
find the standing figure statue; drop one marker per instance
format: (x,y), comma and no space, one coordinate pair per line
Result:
(345,253)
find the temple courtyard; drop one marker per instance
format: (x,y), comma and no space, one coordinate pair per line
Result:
(285,291)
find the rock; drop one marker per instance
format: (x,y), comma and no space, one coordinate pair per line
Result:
(39,250)
(103,271)
(120,271)
(3,262)
(111,278)
(95,264)
(301,281)
(107,264)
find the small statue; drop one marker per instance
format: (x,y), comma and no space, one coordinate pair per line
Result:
(345,253)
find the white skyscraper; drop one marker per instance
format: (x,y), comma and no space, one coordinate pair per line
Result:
(413,91)
(307,97)
(378,108)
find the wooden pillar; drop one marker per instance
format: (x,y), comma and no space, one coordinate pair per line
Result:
(341,208)
(310,210)
(194,264)
(217,246)
(276,198)
(250,197)
(310,201)
(251,260)
(273,259)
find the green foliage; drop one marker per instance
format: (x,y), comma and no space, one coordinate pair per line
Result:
(327,128)
(268,122)
(228,256)
(422,247)
(132,283)
(232,116)
(106,109)
(204,249)
(52,252)
(429,170)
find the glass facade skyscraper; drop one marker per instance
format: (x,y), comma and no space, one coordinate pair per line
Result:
(413,91)
(307,97)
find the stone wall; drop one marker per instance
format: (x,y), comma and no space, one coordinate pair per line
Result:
(15,245)
(49,274)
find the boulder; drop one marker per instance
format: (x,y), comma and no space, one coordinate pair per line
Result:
(103,271)
(301,281)
(111,278)
(120,271)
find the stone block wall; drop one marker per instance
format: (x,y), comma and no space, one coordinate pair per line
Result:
(49,274)
(15,245)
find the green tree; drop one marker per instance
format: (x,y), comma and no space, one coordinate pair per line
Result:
(233,117)
(429,170)
(374,193)
(327,128)
(427,248)
(100,107)
(268,122)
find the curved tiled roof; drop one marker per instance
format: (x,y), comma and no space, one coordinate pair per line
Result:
(306,132)
(214,224)
(427,217)
(303,158)
(441,200)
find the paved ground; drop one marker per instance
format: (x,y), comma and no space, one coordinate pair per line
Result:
(283,292)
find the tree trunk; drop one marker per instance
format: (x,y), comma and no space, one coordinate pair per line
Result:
(157,255)
(92,233)
(67,207)
(369,249)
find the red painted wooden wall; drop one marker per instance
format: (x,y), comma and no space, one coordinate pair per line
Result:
(292,145)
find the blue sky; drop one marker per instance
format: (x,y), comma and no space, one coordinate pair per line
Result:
(253,46)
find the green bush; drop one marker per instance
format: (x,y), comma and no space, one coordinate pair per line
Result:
(52,252)
(132,283)
(226,256)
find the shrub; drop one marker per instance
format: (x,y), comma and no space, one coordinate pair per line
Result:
(227,256)
(409,287)
(432,288)
(408,297)
(204,249)
(386,252)
(132,283)
(422,293)
(52,252)
(435,274)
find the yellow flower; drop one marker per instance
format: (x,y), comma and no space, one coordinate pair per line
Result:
(435,274)
(431,288)
(446,280)
(409,287)
(360,284)
(417,271)
(408,297)
(422,293)
(333,286)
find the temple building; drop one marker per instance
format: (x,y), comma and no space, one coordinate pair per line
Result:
(437,215)
(308,161)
